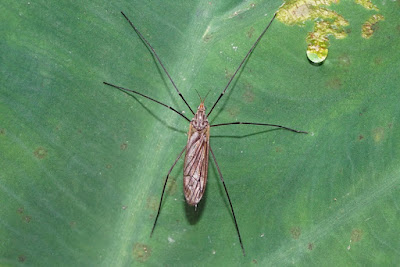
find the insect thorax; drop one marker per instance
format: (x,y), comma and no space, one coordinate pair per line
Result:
(200,121)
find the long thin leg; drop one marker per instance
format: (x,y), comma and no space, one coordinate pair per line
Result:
(261,124)
(229,199)
(159,60)
(163,191)
(241,63)
(132,91)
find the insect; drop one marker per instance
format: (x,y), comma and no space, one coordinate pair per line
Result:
(198,145)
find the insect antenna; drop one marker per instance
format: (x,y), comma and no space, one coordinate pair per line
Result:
(206,95)
(158,59)
(201,100)
(241,63)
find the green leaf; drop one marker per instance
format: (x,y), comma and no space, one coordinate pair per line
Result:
(83,164)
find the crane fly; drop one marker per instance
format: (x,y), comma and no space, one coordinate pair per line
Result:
(198,146)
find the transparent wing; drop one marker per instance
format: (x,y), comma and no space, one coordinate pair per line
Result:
(196,166)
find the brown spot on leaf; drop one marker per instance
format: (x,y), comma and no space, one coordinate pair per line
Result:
(172,187)
(40,153)
(371,26)
(254,261)
(250,32)
(296,232)
(378,61)
(21,258)
(360,137)
(207,38)
(334,83)
(2,131)
(233,111)
(228,74)
(356,235)
(27,218)
(152,203)
(378,134)
(141,252)
(248,95)
(344,60)
(310,246)
(123,146)
(20,210)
